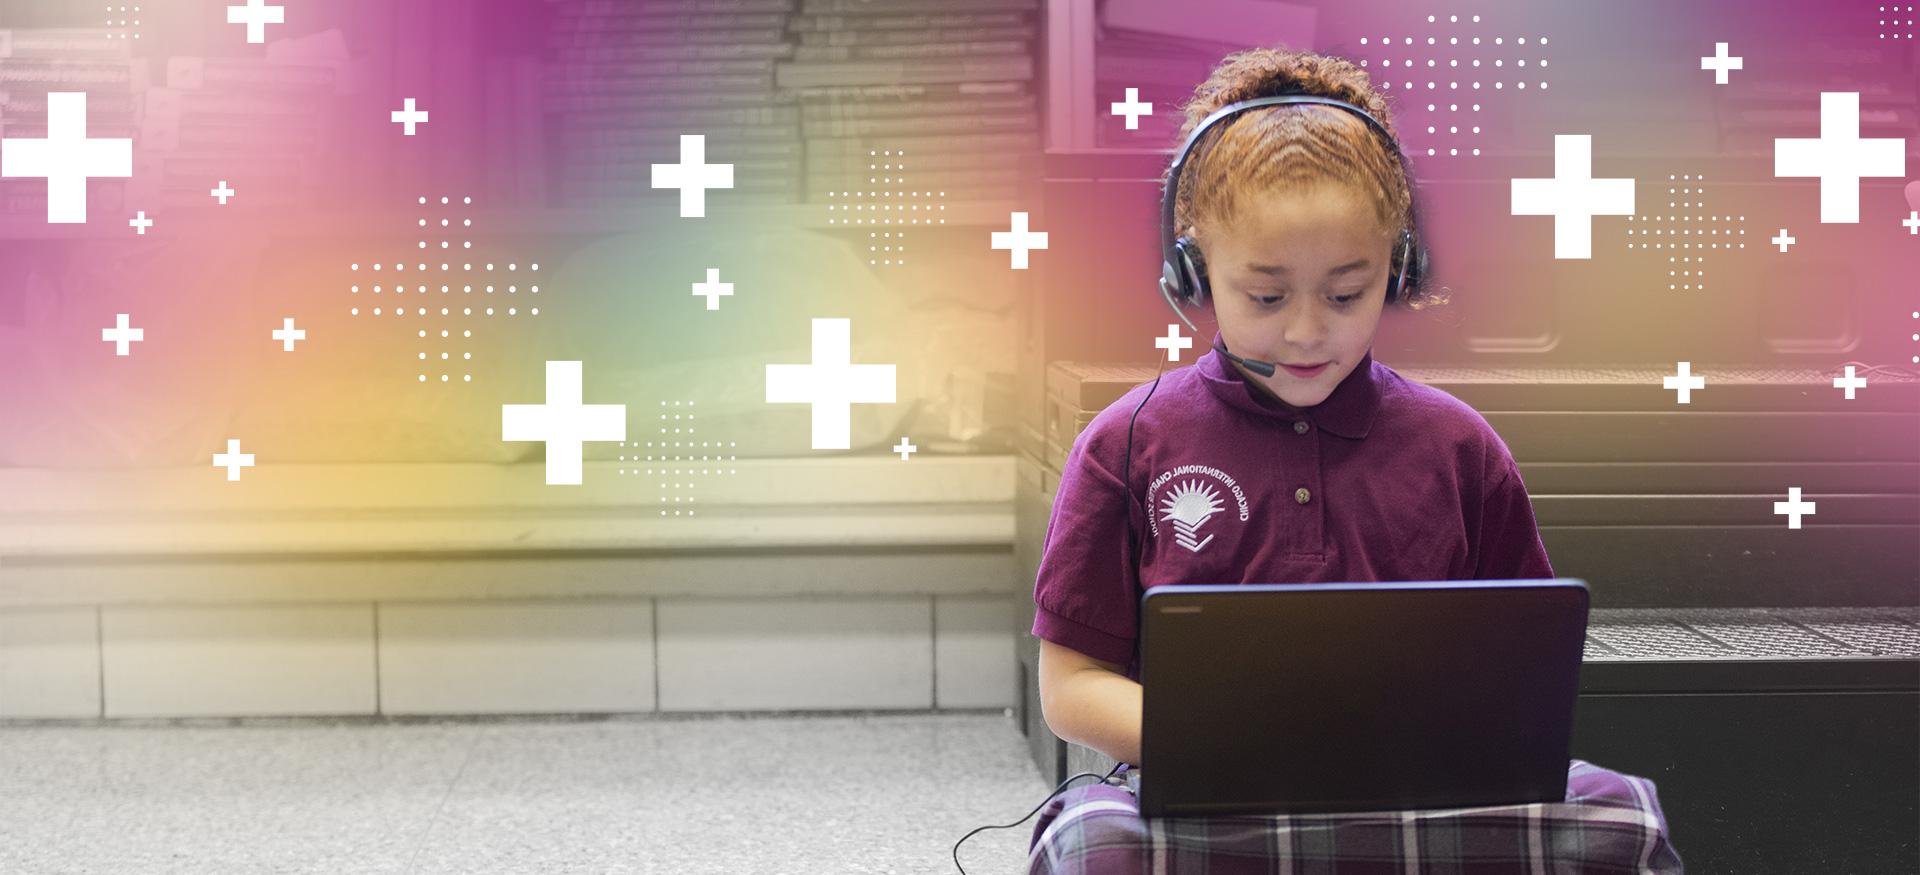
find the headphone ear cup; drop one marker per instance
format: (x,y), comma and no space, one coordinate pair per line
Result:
(1408,267)
(1193,268)
(1396,271)
(1416,266)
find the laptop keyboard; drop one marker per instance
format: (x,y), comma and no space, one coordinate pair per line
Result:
(1622,634)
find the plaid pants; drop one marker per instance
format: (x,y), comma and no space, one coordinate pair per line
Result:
(1609,823)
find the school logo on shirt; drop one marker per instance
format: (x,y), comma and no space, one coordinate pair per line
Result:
(1192,502)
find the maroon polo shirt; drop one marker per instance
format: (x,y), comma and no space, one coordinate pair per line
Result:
(1386,479)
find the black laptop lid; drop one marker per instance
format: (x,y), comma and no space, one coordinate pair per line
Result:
(1358,696)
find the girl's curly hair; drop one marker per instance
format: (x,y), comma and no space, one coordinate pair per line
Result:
(1261,149)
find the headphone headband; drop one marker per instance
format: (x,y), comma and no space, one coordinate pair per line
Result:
(1176,265)
(1168,201)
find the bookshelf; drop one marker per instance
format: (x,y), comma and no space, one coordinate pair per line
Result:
(358,182)
(552,110)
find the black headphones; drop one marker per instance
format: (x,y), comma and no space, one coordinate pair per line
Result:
(1183,272)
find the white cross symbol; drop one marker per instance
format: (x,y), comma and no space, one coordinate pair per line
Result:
(904,448)
(1133,109)
(1684,383)
(66,157)
(256,17)
(693,175)
(1783,240)
(713,288)
(1019,240)
(563,423)
(1912,221)
(1572,197)
(233,460)
(1793,507)
(1839,157)
(140,223)
(831,384)
(1719,63)
(223,192)
(288,335)
(1849,382)
(1173,343)
(410,116)
(121,335)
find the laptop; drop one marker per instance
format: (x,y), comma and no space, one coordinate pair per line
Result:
(1323,697)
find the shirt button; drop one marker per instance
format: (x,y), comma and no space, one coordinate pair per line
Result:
(1300,428)
(1301,495)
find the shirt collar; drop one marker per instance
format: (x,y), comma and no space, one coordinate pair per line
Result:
(1348,411)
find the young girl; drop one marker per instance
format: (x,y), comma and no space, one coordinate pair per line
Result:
(1332,468)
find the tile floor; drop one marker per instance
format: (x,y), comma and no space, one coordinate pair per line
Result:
(682,794)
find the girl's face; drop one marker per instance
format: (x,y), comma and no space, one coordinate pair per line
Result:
(1299,278)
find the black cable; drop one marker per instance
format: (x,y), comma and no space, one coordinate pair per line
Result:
(1126,478)
(1036,809)
(1126,485)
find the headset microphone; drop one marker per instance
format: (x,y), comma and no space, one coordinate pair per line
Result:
(1264,369)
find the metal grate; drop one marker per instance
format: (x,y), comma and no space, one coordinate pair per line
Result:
(1597,650)
(1883,635)
(1651,634)
(1752,633)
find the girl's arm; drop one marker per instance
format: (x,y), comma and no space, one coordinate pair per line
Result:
(1090,702)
